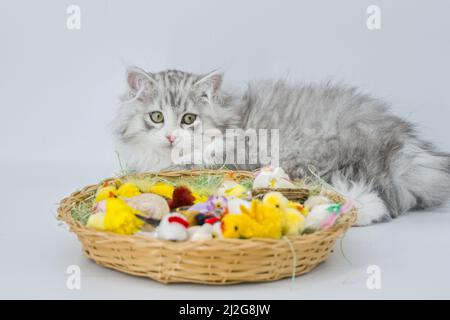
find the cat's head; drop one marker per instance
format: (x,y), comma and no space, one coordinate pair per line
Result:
(161,110)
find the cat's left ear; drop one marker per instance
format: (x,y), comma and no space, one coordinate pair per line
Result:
(212,79)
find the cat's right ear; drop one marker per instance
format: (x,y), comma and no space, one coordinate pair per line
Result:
(140,83)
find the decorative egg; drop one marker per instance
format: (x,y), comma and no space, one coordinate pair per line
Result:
(149,205)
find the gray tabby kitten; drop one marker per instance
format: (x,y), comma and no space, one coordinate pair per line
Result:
(350,138)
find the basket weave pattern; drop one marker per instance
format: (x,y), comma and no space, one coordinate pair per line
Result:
(298,195)
(218,261)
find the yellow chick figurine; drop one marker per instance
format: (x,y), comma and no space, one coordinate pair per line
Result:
(299,207)
(199,198)
(118,217)
(258,221)
(105,192)
(237,226)
(293,220)
(269,219)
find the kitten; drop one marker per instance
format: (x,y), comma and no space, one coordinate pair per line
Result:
(350,138)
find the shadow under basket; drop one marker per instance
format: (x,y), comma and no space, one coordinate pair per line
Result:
(217,261)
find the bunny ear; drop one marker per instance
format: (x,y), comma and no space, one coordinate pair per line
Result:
(213,79)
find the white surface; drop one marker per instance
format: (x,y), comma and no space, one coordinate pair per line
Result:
(412,253)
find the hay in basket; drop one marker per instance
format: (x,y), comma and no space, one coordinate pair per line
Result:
(217,261)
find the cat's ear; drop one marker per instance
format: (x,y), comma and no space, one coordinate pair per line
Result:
(213,79)
(140,83)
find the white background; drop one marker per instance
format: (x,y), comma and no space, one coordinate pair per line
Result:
(59,89)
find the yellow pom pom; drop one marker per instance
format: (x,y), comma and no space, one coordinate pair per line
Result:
(142,183)
(120,218)
(236,191)
(199,198)
(231,188)
(128,190)
(162,189)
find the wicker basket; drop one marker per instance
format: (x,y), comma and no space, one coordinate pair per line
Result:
(218,261)
(299,195)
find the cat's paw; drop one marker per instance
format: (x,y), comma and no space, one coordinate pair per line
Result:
(370,207)
(369,213)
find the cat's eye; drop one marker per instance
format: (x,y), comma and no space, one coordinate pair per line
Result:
(156,116)
(188,118)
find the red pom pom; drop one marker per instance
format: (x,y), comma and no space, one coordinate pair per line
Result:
(181,197)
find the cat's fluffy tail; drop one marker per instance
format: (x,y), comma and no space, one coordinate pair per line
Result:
(419,178)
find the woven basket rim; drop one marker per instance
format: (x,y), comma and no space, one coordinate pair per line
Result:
(66,205)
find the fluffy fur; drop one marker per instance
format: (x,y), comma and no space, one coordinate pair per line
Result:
(349,137)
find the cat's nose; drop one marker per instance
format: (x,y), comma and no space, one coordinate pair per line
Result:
(171,139)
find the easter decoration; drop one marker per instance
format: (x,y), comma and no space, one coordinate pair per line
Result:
(269,177)
(207,210)
(150,206)
(173,226)
(181,196)
(231,188)
(323,216)
(258,221)
(116,217)
(181,214)
(315,200)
